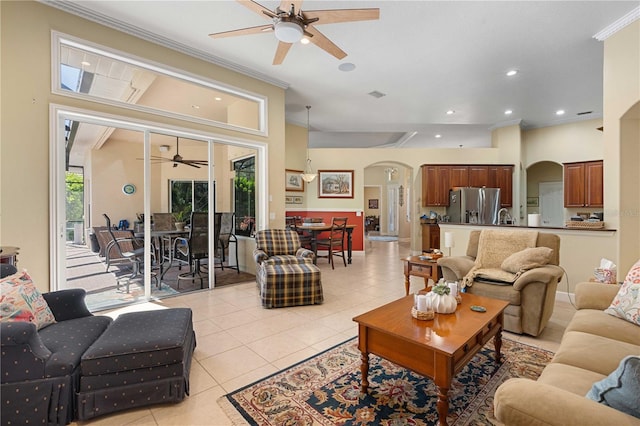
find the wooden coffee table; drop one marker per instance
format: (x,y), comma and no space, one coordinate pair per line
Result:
(437,348)
(417,267)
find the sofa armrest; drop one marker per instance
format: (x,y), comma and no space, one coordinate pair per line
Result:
(595,295)
(304,253)
(67,304)
(543,274)
(527,402)
(259,256)
(454,268)
(23,354)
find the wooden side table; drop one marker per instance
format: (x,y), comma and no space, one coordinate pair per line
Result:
(417,267)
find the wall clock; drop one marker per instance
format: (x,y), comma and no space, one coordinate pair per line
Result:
(129,188)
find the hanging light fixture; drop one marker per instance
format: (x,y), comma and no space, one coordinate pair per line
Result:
(308,175)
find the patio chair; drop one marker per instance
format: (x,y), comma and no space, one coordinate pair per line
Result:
(194,248)
(226,237)
(128,248)
(334,244)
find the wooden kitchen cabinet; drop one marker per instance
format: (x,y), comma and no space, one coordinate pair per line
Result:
(459,176)
(430,236)
(502,177)
(436,181)
(479,176)
(583,184)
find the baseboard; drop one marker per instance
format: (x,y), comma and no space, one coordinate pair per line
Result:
(563,296)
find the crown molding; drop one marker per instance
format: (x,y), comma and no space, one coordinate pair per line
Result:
(78,10)
(613,28)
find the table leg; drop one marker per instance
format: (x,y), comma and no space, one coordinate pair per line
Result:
(314,246)
(364,371)
(497,343)
(349,246)
(443,405)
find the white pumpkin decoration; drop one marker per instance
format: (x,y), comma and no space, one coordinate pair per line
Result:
(442,300)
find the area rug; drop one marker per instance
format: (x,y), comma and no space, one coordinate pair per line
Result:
(325,390)
(382,238)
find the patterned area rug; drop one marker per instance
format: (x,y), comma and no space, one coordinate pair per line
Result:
(325,390)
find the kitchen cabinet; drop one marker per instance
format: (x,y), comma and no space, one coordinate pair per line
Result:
(583,184)
(430,236)
(501,176)
(479,176)
(459,176)
(436,181)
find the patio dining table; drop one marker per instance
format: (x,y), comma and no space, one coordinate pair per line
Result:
(164,245)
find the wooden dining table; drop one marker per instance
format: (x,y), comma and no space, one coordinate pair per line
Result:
(316,229)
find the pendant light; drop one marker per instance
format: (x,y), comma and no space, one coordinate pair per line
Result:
(308,175)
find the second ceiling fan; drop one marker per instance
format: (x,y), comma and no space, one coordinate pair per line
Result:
(290,24)
(177,159)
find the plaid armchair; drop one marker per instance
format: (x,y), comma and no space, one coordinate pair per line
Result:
(280,246)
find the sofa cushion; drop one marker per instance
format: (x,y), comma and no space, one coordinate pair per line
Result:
(68,340)
(626,304)
(526,259)
(597,322)
(591,352)
(621,388)
(502,292)
(20,300)
(570,378)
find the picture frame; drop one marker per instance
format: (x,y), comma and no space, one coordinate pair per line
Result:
(373,203)
(335,183)
(532,201)
(291,199)
(293,181)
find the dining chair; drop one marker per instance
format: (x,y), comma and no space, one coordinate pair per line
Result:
(194,248)
(227,237)
(294,223)
(123,246)
(334,243)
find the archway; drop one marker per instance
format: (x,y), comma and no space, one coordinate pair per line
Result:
(544,180)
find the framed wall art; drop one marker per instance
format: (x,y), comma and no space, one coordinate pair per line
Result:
(373,203)
(335,183)
(293,181)
(532,201)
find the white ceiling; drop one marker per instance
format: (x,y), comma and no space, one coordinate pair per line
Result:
(426,56)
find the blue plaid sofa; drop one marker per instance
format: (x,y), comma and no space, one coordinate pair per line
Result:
(285,271)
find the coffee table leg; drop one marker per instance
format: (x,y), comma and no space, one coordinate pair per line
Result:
(497,343)
(364,371)
(443,405)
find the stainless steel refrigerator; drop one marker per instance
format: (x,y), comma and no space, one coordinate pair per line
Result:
(474,205)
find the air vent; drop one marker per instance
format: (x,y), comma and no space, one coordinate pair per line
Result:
(377,94)
(584,113)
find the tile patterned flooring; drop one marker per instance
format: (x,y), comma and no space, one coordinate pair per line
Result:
(239,342)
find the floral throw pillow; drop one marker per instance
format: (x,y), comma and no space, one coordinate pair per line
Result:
(20,300)
(626,304)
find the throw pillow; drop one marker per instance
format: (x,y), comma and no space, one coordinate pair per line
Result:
(20,300)
(526,259)
(621,388)
(626,304)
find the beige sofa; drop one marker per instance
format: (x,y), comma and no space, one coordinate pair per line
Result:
(531,297)
(593,345)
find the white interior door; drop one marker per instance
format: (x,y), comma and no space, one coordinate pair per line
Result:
(551,203)
(392,210)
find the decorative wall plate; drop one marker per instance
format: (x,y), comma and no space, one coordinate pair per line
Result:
(129,188)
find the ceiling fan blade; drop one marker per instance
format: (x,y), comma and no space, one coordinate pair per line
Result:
(256,7)
(325,44)
(342,15)
(243,31)
(281,52)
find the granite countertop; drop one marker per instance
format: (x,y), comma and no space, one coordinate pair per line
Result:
(528,227)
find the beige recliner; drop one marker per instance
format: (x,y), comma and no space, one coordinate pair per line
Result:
(532,295)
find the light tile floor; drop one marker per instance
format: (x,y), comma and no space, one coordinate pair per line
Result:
(239,342)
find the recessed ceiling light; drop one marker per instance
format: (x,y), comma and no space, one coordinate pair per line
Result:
(346,67)
(195,106)
(560,112)
(511,73)
(450,112)
(305,40)
(508,112)
(218,98)
(438,136)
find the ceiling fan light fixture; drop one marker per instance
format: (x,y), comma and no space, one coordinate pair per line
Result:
(288,32)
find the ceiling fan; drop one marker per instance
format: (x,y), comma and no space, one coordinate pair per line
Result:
(177,159)
(290,24)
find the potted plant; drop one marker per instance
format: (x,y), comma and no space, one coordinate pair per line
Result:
(180,218)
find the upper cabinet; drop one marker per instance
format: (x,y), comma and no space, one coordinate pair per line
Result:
(583,184)
(437,180)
